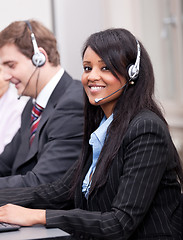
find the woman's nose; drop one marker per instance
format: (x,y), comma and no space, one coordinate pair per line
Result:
(94,75)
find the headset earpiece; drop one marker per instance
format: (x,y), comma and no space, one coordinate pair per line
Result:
(133,69)
(133,72)
(38,59)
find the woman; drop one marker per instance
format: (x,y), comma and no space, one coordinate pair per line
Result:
(125,185)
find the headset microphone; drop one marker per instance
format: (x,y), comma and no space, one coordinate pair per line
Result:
(27,84)
(100,99)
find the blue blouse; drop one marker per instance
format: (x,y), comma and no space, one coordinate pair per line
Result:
(97,139)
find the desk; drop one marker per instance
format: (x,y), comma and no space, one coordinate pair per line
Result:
(35,232)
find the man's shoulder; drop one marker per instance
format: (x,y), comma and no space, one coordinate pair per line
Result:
(73,87)
(69,91)
(69,83)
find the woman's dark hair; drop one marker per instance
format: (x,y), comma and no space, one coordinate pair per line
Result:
(118,49)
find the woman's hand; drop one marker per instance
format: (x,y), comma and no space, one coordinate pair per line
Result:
(14,214)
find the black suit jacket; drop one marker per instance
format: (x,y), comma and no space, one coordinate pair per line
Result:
(140,200)
(57,142)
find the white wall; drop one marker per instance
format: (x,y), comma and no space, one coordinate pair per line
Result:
(12,10)
(74,22)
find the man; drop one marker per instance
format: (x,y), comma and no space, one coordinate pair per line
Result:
(46,145)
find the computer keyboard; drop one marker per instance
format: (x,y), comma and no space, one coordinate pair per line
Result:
(5,227)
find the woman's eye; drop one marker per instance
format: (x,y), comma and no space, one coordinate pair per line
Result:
(86,68)
(105,68)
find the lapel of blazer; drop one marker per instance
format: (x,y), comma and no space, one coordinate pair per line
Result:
(25,132)
(55,97)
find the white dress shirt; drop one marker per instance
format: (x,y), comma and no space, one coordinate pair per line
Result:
(10,115)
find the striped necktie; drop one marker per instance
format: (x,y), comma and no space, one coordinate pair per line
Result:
(35,118)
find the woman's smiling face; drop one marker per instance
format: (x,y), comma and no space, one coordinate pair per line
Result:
(99,82)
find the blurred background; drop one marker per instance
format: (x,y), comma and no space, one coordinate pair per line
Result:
(158,24)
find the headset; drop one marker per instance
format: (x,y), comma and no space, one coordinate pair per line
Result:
(133,69)
(38,59)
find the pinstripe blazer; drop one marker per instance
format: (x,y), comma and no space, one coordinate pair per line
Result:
(140,200)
